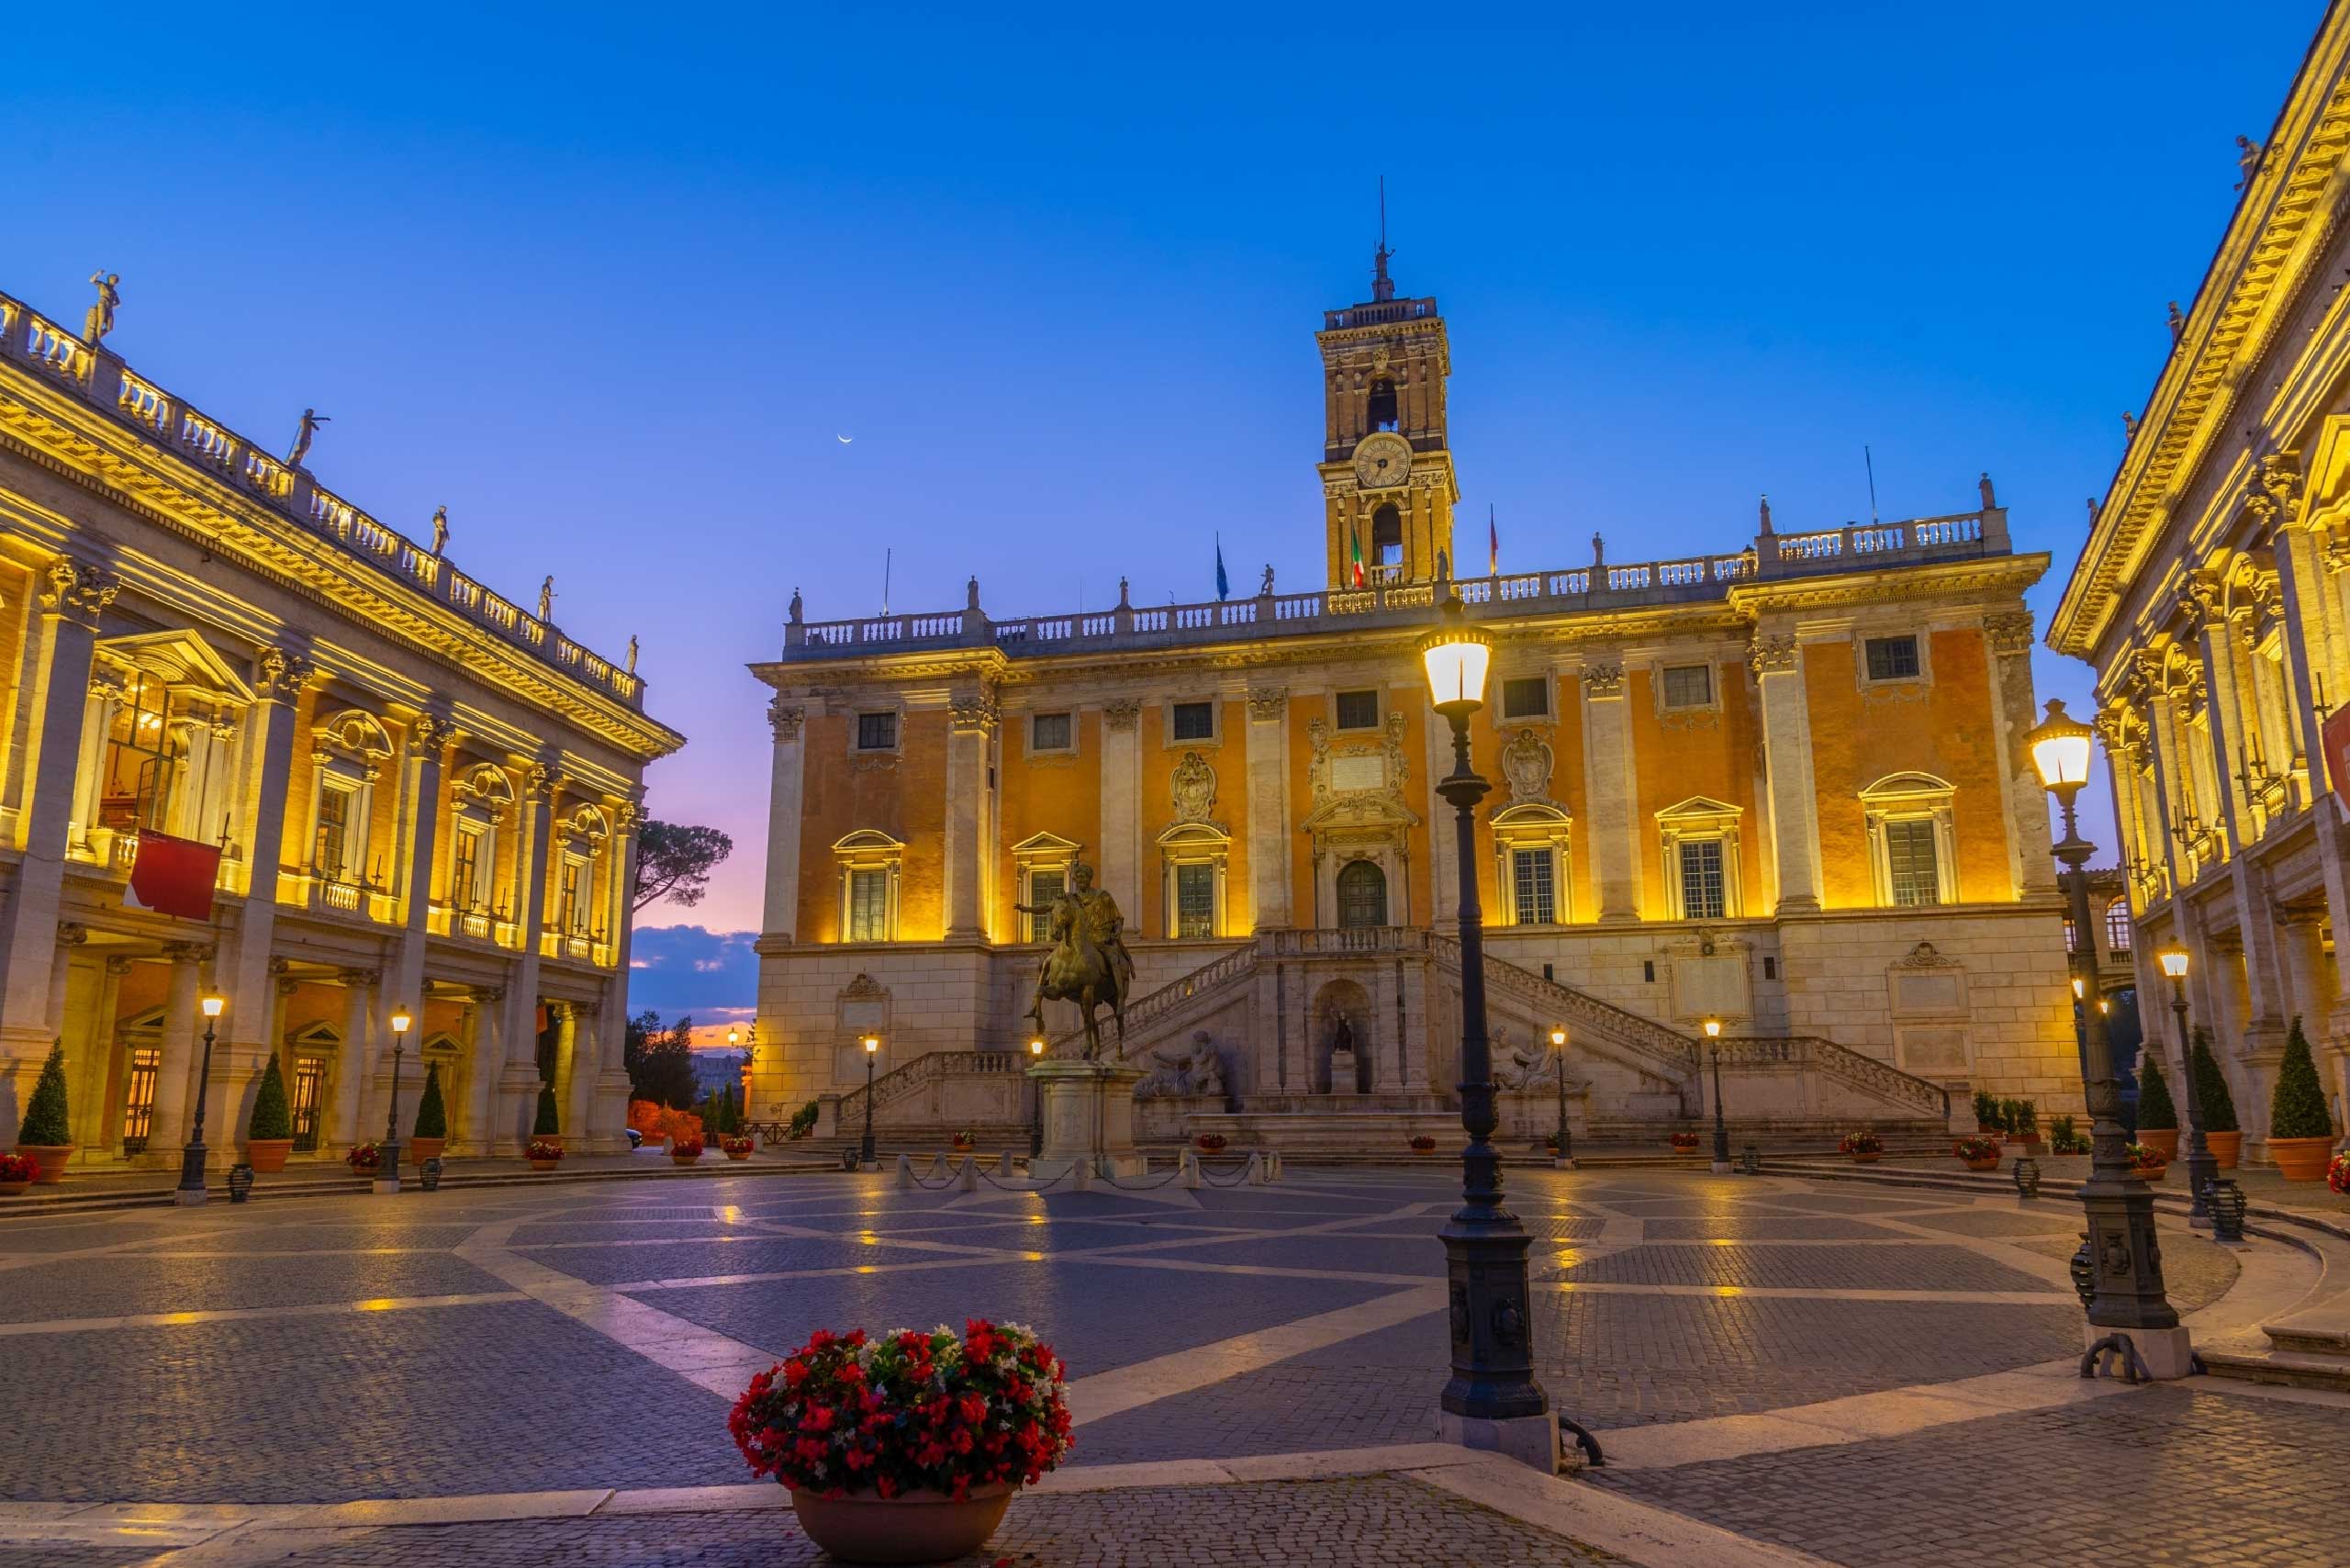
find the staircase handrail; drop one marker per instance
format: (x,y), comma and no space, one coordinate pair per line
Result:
(1650,1038)
(1153,1005)
(1856,1068)
(928,1068)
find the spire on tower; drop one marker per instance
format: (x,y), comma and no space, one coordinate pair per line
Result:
(1382,287)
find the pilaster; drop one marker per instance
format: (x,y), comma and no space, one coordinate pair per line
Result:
(1776,662)
(1608,766)
(1120,852)
(2031,868)
(1268,835)
(971,725)
(785,805)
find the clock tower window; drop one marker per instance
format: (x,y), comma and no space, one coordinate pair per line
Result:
(1383,405)
(1387,535)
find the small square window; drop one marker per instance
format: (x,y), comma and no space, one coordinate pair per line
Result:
(1689,686)
(1358,709)
(1048,732)
(1893,658)
(1526,697)
(1193,721)
(877,732)
(1770,967)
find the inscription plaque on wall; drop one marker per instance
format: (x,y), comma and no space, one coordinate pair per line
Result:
(1359,770)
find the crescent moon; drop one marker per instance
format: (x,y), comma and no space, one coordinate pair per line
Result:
(844,440)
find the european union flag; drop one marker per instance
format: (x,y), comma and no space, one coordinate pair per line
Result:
(1223,583)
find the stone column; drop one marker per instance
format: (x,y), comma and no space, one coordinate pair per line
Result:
(354,1061)
(415,835)
(522,1025)
(46,747)
(1269,806)
(970,724)
(175,1071)
(2007,638)
(501,1122)
(2313,642)
(576,1069)
(1607,770)
(2174,791)
(609,1117)
(784,803)
(1120,852)
(250,986)
(1777,664)
(2309,976)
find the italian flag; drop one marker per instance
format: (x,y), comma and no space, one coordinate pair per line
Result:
(1354,553)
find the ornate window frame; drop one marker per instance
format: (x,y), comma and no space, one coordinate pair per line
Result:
(1028,732)
(870,849)
(1505,679)
(1038,852)
(348,751)
(1863,635)
(479,802)
(1695,820)
(1536,826)
(1193,844)
(1215,737)
(1910,796)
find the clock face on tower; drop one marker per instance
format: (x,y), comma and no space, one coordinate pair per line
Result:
(1382,460)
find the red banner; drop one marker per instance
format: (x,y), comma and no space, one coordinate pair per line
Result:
(173,876)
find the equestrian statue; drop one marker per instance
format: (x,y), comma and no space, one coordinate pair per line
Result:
(1089,963)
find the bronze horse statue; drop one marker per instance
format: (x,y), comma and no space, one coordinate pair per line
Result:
(1080,968)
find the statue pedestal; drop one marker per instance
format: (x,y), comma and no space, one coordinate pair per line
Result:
(1342,1070)
(1089,1116)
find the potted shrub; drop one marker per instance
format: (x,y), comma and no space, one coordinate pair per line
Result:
(542,1155)
(2221,1132)
(2027,1127)
(16,1173)
(906,1448)
(1864,1146)
(2147,1164)
(685,1149)
(1424,1144)
(2064,1138)
(269,1134)
(2301,1130)
(547,1127)
(735,1146)
(1977,1153)
(1210,1143)
(46,1134)
(804,1122)
(365,1159)
(2157,1118)
(431,1134)
(1986,1113)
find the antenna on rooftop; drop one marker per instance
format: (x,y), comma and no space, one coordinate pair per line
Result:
(885,579)
(1871,462)
(1382,287)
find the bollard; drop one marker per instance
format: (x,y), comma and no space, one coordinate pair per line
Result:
(1190,1167)
(430,1172)
(967,1179)
(1081,1174)
(905,1172)
(241,1183)
(1003,1164)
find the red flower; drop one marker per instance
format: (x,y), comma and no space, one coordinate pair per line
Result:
(974,1407)
(883,1485)
(818,1418)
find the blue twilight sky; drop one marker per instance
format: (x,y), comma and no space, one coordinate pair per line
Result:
(611,282)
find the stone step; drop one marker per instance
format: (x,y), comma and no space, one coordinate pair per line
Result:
(2289,1369)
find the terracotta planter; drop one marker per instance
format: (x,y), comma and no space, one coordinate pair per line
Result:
(10,1189)
(420,1149)
(2300,1158)
(2226,1148)
(51,1158)
(1985,1129)
(959,1147)
(1429,1149)
(267,1155)
(738,1154)
(1991,1164)
(2163,1140)
(2150,1174)
(913,1527)
(1867,1157)
(546,1164)
(677,1158)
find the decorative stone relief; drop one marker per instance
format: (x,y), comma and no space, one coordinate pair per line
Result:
(1770,656)
(2009,631)
(1603,680)
(1525,764)
(78,589)
(785,718)
(1193,788)
(1120,714)
(1268,706)
(971,715)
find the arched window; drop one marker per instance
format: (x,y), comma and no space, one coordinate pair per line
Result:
(2117,926)
(1383,405)
(1387,535)
(1362,896)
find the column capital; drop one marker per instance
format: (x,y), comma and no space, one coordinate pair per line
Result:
(2008,631)
(187,952)
(487,994)
(281,674)
(1120,714)
(1770,656)
(1267,704)
(972,716)
(1603,679)
(785,718)
(71,934)
(79,589)
(357,978)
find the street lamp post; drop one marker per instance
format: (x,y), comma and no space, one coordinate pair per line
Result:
(388,1169)
(872,1044)
(1721,1123)
(1035,1100)
(1492,1381)
(191,1188)
(2201,1169)
(1563,1158)
(2125,1259)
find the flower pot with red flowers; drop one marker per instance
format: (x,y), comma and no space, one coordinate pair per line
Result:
(365,1160)
(543,1154)
(1211,1143)
(966,1141)
(16,1173)
(2147,1164)
(44,1134)
(1424,1144)
(1684,1144)
(906,1448)
(2337,1175)
(1864,1146)
(1977,1153)
(736,1146)
(685,1151)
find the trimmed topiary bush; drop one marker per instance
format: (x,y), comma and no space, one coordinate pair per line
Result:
(2156,1112)
(273,1117)
(548,1124)
(2218,1105)
(431,1111)
(45,1124)
(2298,1109)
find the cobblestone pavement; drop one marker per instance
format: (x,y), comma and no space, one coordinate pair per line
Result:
(522,1339)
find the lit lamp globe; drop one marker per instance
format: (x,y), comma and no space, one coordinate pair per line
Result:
(1036,1046)
(2060,752)
(2174,962)
(1457,656)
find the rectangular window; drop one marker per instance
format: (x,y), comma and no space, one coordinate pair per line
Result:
(1909,856)
(568,910)
(309,1078)
(1526,697)
(1043,886)
(465,871)
(1689,686)
(1701,878)
(1358,709)
(1048,732)
(141,757)
(1893,658)
(138,1100)
(1530,886)
(1194,900)
(877,732)
(334,827)
(1193,721)
(868,906)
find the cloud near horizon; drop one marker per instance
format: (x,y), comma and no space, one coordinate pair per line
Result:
(680,970)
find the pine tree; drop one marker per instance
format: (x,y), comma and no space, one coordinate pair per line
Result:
(547,1124)
(2218,1105)
(2156,1112)
(272,1118)
(45,1124)
(431,1112)
(2298,1109)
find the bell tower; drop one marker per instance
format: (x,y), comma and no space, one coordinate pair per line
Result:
(1387,482)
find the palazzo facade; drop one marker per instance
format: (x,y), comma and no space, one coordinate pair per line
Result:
(424,797)
(2212,601)
(1781,784)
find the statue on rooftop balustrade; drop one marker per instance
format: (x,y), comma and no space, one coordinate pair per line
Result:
(1265,588)
(307,434)
(100,319)
(1983,488)
(631,656)
(439,530)
(1766,515)
(1598,551)
(547,596)
(1088,963)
